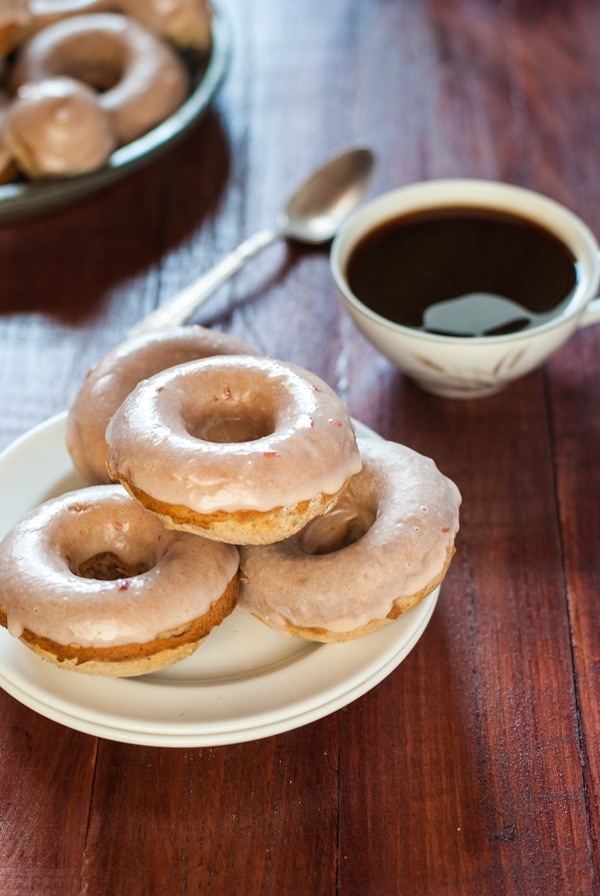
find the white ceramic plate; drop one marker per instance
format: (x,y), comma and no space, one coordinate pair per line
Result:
(25,199)
(245,682)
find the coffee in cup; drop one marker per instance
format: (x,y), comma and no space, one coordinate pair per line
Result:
(430,244)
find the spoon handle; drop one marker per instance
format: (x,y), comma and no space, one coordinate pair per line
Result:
(179,309)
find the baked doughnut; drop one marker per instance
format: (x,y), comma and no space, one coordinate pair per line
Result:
(114,376)
(186,23)
(384,547)
(241,449)
(139,78)
(56,128)
(93,582)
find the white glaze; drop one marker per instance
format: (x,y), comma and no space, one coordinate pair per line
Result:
(42,593)
(409,512)
(299,440)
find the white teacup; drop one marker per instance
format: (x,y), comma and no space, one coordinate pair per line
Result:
(471,366)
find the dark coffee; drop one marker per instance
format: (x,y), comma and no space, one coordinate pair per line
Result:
(409,263)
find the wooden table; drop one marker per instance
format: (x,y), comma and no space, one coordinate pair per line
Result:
(474,767)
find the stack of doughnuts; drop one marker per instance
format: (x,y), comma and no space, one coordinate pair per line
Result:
(81,78)
(238,475)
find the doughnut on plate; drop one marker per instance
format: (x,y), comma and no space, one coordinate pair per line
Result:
(244,683)
(22,199)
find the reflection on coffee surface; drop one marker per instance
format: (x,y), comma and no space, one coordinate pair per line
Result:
(408,263)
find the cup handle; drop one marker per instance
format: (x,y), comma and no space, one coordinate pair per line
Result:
(591,315)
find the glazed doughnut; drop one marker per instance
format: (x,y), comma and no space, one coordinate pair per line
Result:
(57,127)
(114,376)
(140,80)
(186,23)
(385,546)
(93,582)
(240,449)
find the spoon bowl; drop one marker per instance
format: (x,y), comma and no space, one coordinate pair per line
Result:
(313,215)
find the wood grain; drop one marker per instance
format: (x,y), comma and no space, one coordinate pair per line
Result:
(473,769)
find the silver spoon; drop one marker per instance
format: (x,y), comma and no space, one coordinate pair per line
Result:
(482,314)
(312,215)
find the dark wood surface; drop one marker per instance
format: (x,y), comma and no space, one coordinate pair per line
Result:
(474,767)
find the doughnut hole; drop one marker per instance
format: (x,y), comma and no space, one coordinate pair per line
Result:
(232,428)
(101,72)
(98,61)
(338,529)
(229,418)
(107,566)
(94,547)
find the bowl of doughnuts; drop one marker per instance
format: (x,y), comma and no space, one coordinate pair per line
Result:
(217,478)
(91,91)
